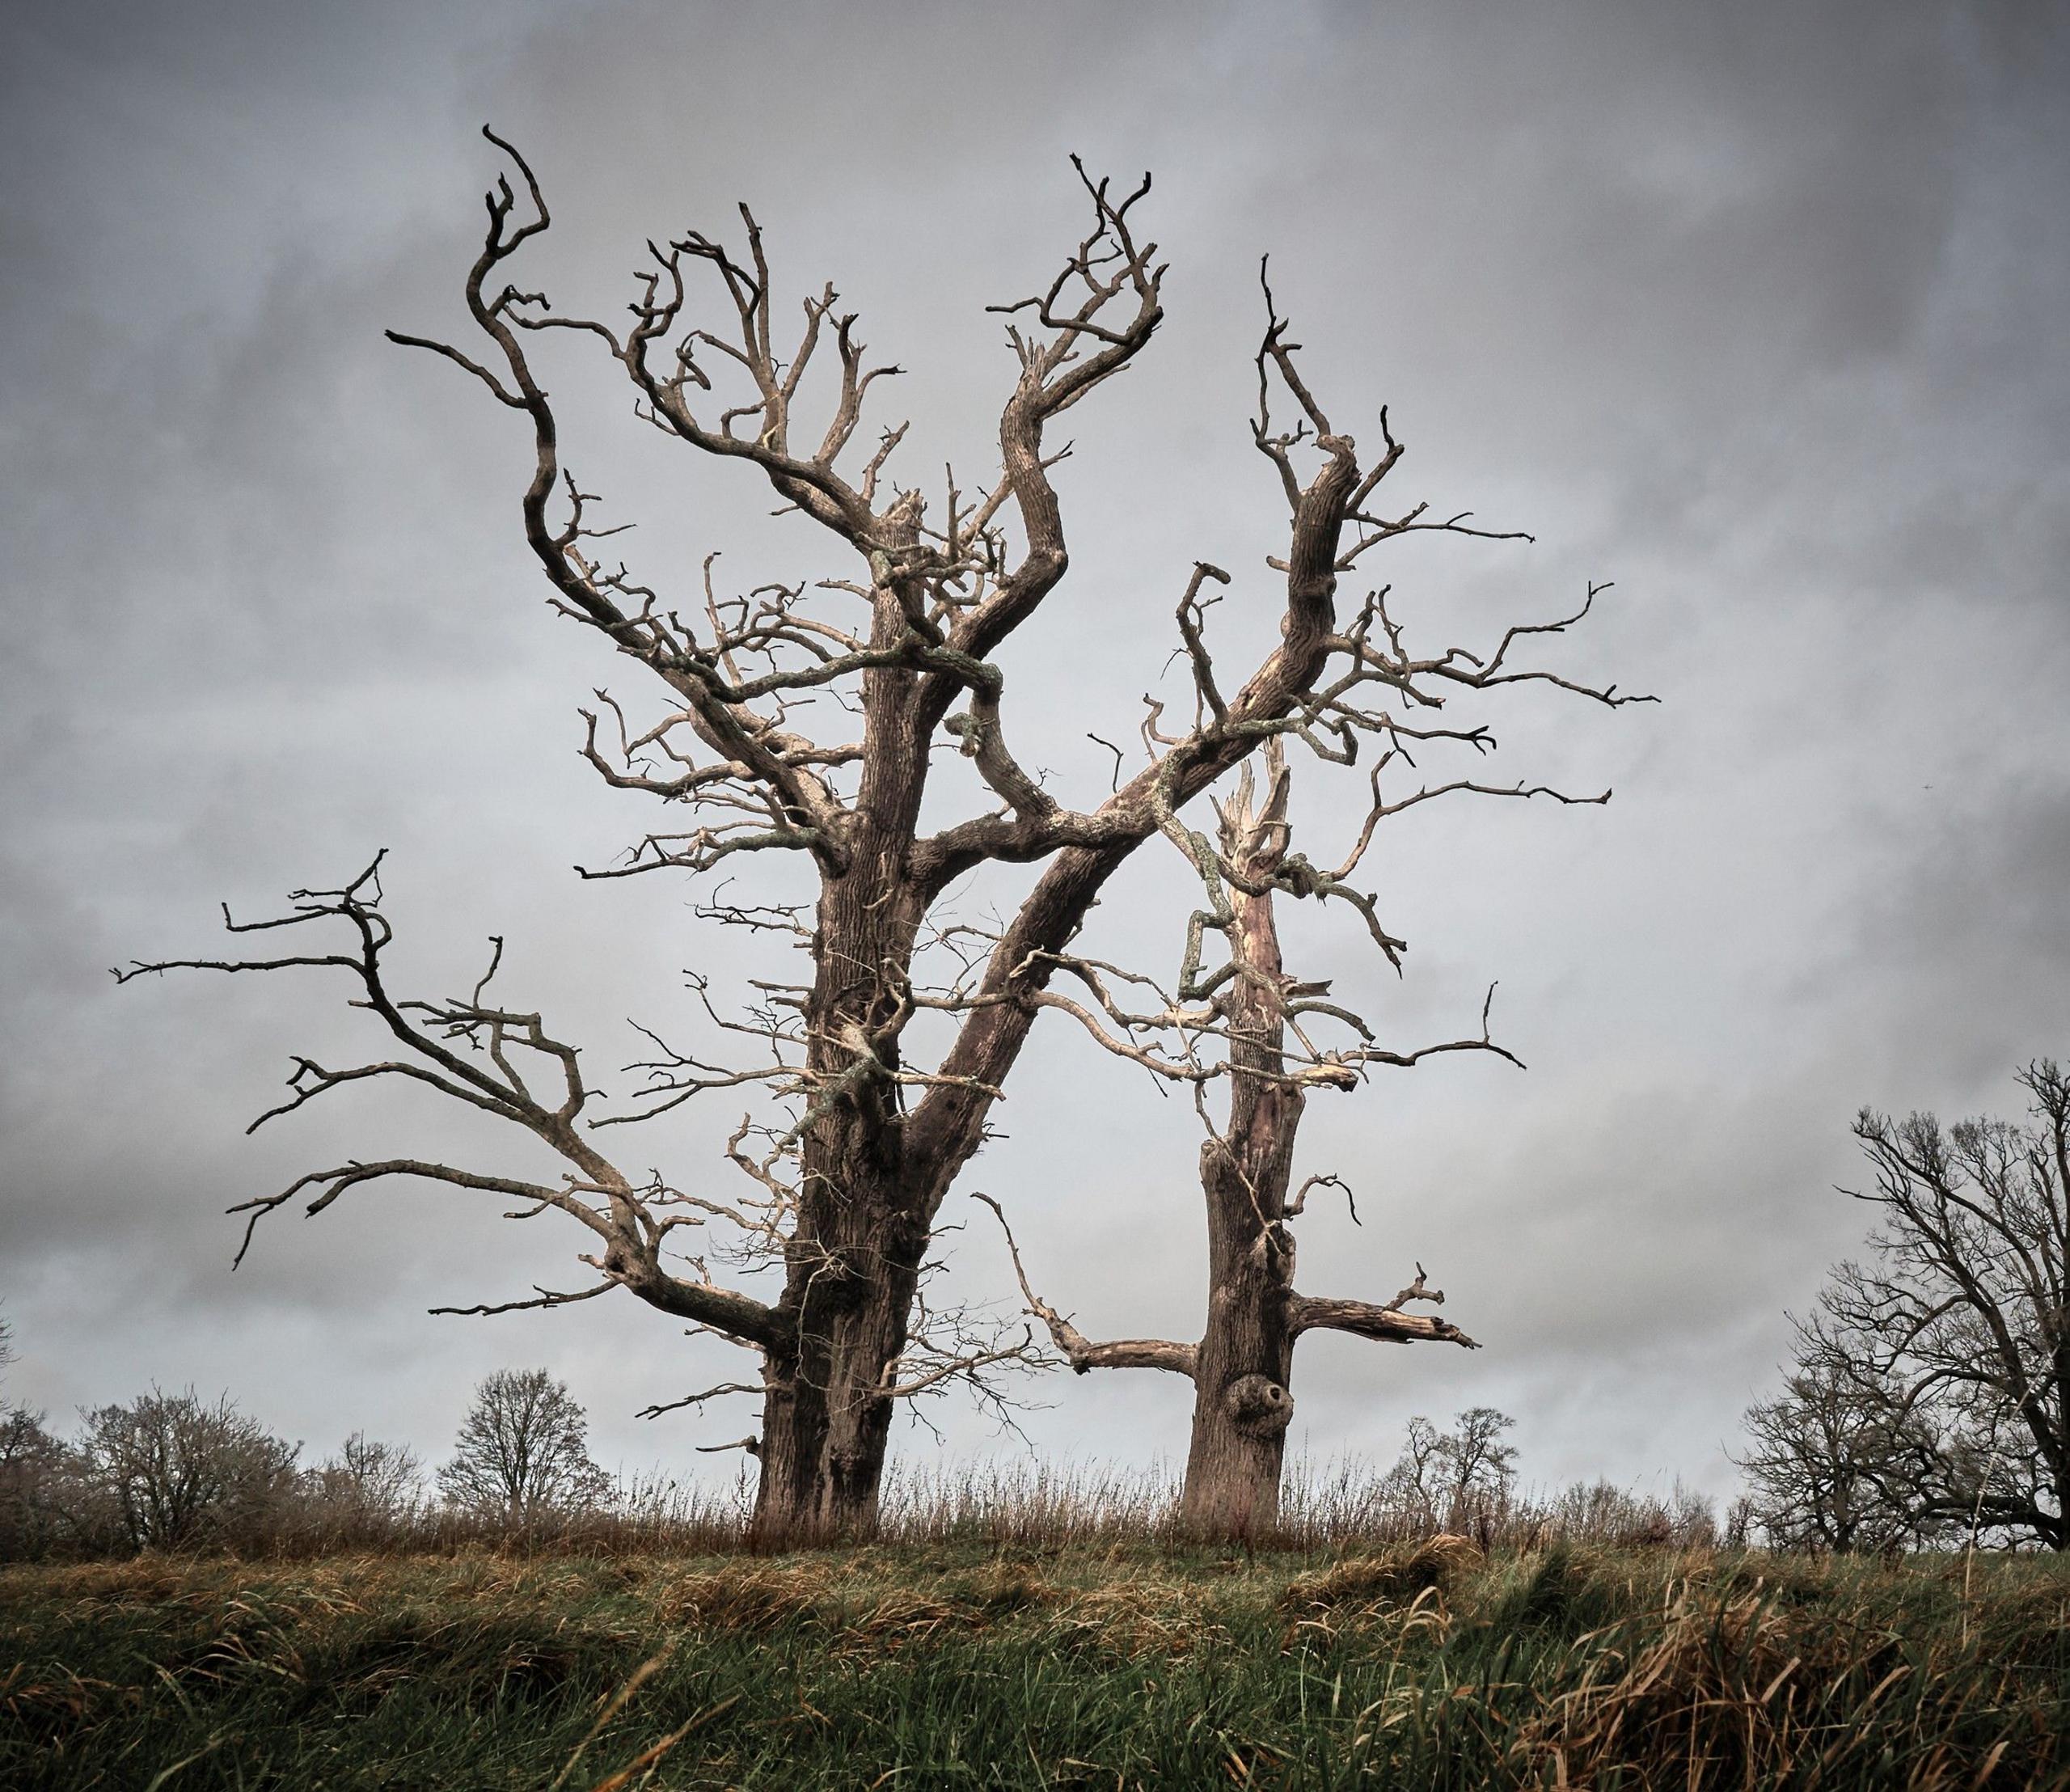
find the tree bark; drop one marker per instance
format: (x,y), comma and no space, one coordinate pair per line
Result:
(827,1421)
(852,1262)
(1241,1404)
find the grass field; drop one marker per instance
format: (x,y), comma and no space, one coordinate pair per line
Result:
(1083,1665)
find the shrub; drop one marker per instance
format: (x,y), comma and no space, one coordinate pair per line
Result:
(366,1496)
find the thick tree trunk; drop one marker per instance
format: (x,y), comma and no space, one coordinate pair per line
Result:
(826,1419)
(853,1259)
(1241,1404)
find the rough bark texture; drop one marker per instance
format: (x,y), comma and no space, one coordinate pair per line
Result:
(860,1234)
(1241,1403)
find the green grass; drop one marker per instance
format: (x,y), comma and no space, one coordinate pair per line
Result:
(967,1665)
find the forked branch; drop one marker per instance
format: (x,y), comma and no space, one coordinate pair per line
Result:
(472,1051)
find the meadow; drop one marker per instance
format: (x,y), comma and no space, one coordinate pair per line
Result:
(1111,1660)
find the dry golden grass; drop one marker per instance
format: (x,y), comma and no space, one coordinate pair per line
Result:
(1394,1574)
(1418,1664)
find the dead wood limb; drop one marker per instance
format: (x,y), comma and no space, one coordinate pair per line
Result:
(1083,1354)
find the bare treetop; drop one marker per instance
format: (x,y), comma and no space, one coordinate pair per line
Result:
(800,719)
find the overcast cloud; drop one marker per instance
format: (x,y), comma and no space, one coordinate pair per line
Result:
(1756,310)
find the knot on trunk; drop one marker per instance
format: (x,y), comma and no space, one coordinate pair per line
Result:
(1257,1406)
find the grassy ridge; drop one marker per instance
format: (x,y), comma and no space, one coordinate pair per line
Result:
(965,1665)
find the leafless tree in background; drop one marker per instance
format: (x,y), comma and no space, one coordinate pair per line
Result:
(1933,1381)
(523,1453)
(176,1473)
(1458,1480)
(1264,1022)
(30,1461)
(801,721)
(368,1487)
(1823,1458)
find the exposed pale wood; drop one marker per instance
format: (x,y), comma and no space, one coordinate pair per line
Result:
(1082,1353)
(1367,1319)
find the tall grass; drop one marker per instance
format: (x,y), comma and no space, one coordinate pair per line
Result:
(1032,1625)
(1107,1662)
(1017,1501)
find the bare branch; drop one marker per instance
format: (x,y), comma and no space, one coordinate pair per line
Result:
(1080,1351)
(545,1297)
(1385,1325)
(723,1389)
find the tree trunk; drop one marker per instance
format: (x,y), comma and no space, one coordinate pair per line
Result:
(853,1260)
(1241,1404)
(825,1418)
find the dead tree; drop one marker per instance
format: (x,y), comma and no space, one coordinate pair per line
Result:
(799,722)
(1262,1019)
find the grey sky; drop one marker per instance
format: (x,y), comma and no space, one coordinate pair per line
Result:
(1756,311)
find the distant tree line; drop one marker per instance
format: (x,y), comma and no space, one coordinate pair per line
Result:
(172,1472)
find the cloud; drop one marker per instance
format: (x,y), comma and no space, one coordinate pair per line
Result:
(1753,310)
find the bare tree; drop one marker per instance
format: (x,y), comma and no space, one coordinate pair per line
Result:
(1266,1023)
(368,1487)
(1932,1389)
(1478,1467)
(523,1453)
(31,1461)
(1414,1485)
(1454,1480)
(175,1473)
(1822,1461)
(800,721)
(31,1468)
